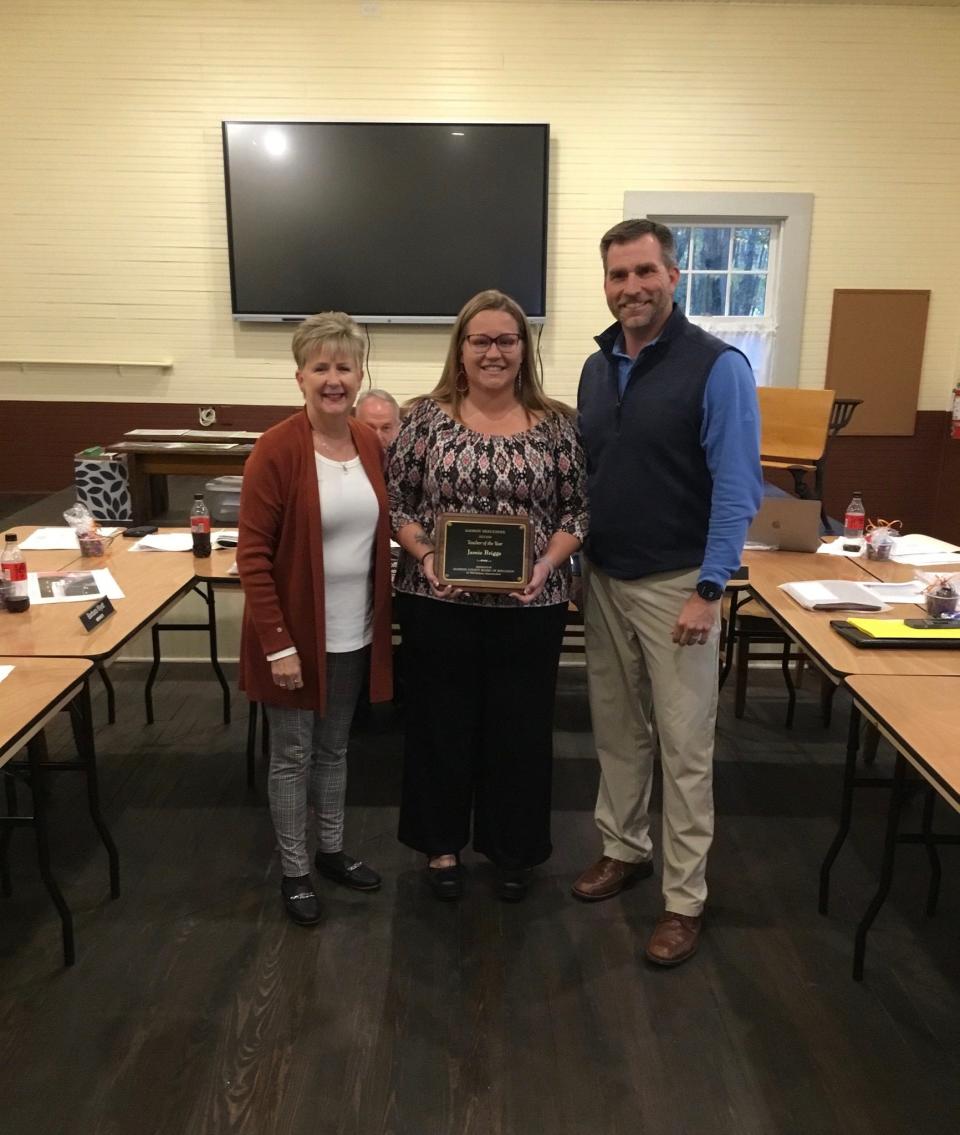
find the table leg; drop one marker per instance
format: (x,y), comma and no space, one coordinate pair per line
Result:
(929,840)
(111,694)
(138,484)
(211,602)
(886,870)
(152,676)
(82,716)
(158,494)
(846,807)
(788,682)
(37,753)
(10,791)
(730,638)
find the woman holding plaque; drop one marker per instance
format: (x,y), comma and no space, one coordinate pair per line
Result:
(480,665)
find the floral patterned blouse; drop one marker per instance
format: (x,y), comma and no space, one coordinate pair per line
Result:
(439,465)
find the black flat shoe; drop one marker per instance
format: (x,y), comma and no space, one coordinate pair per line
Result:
(301,902)
(347,871)
(446,882)
(514,884)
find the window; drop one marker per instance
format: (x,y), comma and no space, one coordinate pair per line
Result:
(724,269)
(728,284)
(743,269)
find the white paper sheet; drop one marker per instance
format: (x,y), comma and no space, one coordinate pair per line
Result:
(833,594)
(72,586)
(910,591)
(50,540)
(835,548)
(915,549)
(925,559)
(58,539)
(919,550)
(183,541)
(154,433)
(164,542)
(4,671)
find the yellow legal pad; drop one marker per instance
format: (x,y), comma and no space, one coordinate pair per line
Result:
(897,628)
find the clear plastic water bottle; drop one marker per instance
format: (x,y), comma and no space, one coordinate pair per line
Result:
(16,597)
(854,518)
(200,526)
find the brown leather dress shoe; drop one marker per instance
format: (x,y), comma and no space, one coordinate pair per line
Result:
(607,877)
(674,939)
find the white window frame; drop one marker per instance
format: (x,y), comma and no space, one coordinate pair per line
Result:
(792,212)
(768,320)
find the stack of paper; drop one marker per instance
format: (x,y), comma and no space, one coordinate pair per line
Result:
(914,549)
(910,591)
(164,542)
(183,541)
(58,539)
(921,550)
(833,595)
(72,586)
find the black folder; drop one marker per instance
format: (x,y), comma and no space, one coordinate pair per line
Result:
(868,642)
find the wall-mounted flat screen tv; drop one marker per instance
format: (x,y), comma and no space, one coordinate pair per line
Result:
(392,222)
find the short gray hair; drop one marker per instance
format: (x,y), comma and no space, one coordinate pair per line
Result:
(383,395)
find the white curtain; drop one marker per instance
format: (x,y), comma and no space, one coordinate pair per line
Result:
(755,342)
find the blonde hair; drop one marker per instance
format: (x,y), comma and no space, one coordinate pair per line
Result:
(332,329)
(530,394)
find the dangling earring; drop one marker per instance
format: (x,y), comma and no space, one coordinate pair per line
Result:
(518,385)
(463,387)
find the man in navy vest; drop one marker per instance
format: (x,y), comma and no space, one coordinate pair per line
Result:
(670,427)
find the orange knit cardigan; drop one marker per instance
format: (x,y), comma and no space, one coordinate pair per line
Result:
(280,560)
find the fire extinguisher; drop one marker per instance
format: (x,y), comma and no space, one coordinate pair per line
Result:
(955,423)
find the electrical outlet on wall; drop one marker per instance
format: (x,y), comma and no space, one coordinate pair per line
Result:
(207,416)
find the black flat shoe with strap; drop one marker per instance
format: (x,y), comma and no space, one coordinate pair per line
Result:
(446,882)
(513,884)
(300,900)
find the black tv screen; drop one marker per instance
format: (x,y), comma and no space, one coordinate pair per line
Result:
(391,222)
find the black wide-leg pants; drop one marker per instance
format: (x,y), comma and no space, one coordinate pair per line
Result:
(479,686)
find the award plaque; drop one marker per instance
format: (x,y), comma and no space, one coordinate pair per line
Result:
(483,553)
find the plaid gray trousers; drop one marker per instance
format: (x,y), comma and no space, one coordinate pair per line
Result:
(308,764)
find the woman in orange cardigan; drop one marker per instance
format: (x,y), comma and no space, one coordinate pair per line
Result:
(314,560)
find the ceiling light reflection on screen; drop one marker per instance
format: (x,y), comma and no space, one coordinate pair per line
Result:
(275,143)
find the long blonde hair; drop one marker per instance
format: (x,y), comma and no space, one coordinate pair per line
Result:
(530,394)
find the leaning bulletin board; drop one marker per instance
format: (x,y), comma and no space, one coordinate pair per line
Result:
(875,353)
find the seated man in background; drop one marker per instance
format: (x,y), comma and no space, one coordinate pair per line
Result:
(379,410)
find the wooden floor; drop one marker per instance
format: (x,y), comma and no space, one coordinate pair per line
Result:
(196,1007)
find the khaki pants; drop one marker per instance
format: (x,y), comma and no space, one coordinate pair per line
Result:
(633,668)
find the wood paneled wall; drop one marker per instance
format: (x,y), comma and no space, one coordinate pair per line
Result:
(912,479)
(40,438)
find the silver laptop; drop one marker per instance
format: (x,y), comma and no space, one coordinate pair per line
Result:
(791,524)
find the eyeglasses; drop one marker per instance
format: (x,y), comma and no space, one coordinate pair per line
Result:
(483,343)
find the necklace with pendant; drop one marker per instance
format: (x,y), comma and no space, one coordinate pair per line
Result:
(324,443)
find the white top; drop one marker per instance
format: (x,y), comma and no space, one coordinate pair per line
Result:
(350,511)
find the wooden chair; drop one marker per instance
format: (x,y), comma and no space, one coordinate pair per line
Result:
(794,426)
(746,624)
